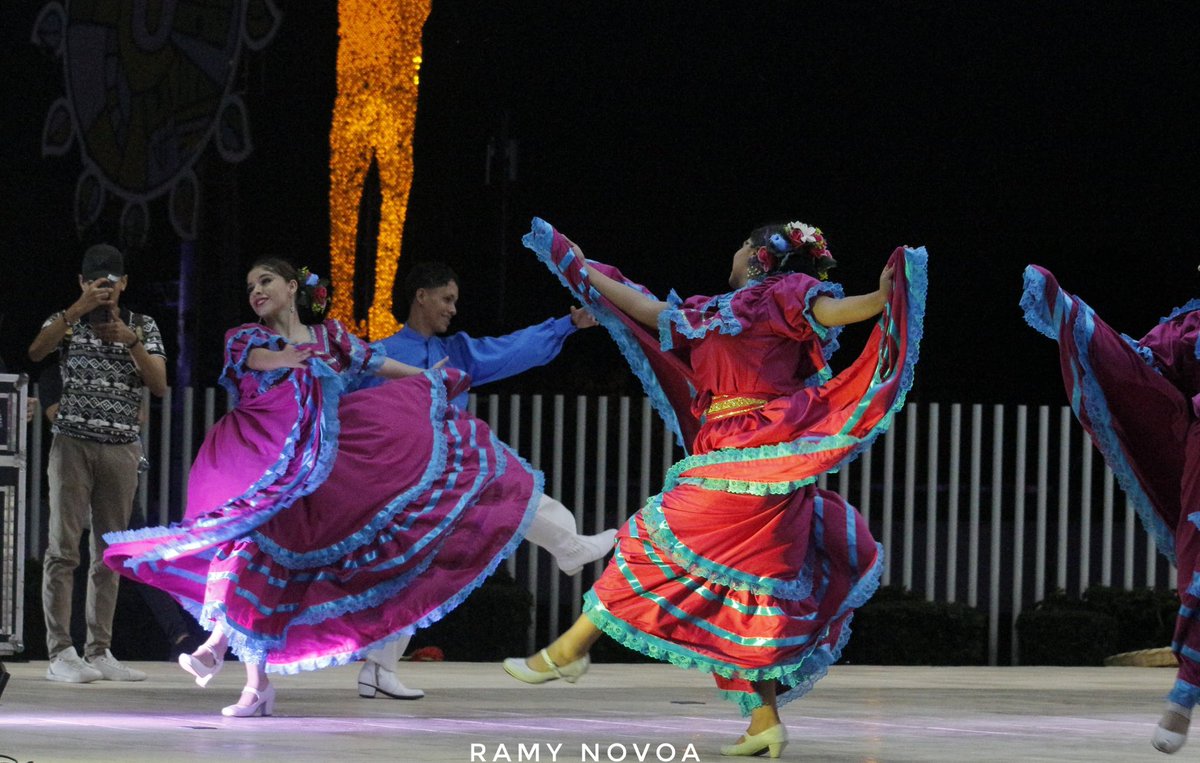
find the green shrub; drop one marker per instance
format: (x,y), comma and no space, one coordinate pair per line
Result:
(1065,636)
(1145,617)
(1064,630)
(898,627)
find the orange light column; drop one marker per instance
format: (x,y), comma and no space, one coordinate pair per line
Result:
(379,57)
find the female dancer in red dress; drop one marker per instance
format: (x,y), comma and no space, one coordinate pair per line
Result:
(742,567)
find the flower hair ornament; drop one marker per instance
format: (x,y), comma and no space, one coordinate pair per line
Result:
(788,240)
(317,292)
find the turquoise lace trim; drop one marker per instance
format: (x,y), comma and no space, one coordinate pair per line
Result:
(539,240)
(1107,440)
(697,564)
(429,544)
(916,262)
(801,674)
(207,532)
(724,322)
(1038,315)
(257,337)
(916,265)
(255,648)
(439,612)
(1143,352)
(324,556)
(828,335)
(1034,307)
(1189,307)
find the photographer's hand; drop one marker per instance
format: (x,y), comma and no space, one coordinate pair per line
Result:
(97,293)
(116,332)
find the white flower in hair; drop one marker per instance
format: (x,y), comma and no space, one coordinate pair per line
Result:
(808,234)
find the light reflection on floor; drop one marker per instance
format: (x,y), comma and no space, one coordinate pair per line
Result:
(475,712)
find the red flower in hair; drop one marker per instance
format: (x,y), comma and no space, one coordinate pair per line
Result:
(766,260)
(319,296)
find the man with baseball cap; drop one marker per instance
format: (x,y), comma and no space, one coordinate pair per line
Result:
(106,356)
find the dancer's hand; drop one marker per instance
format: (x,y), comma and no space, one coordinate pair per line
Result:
(885,281)
(292,356)
(440,363)
(583,318)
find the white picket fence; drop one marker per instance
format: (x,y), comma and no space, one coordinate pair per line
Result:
(995,506)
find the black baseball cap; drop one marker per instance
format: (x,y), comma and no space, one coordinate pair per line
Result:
(102,260)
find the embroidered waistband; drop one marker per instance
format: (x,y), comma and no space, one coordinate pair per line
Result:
(724,406)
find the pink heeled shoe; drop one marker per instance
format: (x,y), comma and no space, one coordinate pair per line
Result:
(202,672)
(263,701)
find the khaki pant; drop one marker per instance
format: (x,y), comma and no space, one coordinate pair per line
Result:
(86,478)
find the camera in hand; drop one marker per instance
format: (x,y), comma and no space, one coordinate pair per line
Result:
(103,314)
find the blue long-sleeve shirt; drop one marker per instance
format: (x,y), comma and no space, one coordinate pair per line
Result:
(485,359)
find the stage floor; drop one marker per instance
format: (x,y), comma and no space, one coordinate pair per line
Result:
(474,712)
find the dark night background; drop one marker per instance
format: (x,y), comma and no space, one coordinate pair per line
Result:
(657,134)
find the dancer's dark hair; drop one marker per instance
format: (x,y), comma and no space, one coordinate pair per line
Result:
(426,275)
(314,294)
(794,248)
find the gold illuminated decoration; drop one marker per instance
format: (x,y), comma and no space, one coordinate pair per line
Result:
(379,56)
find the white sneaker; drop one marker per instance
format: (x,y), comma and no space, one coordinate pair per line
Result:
(67,667)
(111,669)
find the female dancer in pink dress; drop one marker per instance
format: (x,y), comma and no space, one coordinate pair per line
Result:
(1140,402)
(742,567)
(322,525)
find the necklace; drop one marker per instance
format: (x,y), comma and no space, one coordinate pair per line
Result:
(288,336)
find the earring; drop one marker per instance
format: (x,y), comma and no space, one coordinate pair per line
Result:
(754,270)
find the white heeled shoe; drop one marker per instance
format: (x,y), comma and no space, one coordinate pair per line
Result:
(375,679)
(202,672)
(1171,741)
(264,701)
(772,741)
(571,672)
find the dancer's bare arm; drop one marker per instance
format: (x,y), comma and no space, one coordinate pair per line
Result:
(832,311)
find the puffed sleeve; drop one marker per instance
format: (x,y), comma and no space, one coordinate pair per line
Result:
(1174,346)
(238,344)
(789,308)
(685,322)
(357,357)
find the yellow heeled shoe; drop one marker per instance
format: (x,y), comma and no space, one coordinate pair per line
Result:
(772,741)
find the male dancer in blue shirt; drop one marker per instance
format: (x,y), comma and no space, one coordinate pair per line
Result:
(431,291)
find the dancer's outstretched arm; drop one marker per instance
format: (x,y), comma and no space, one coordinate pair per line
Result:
(832,311)
(633,303)
(394,369)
